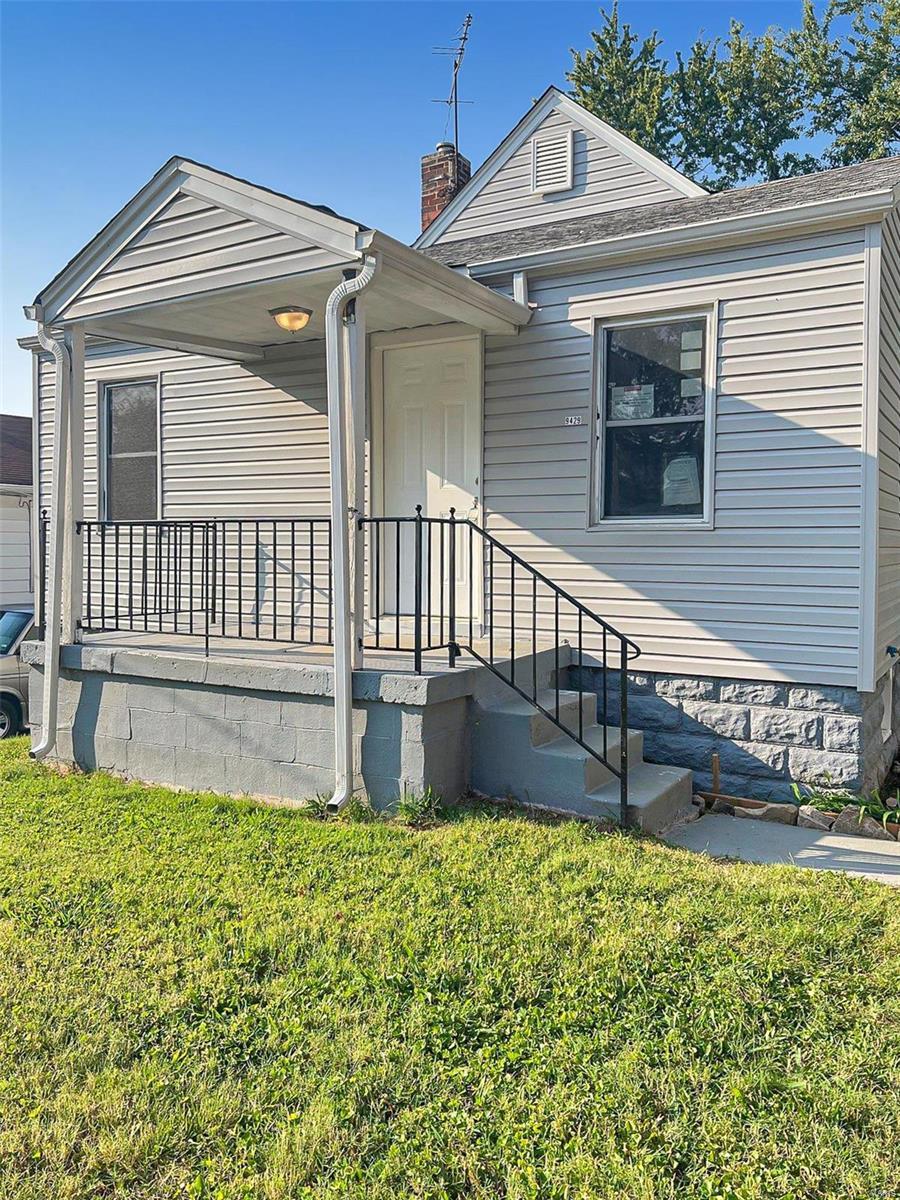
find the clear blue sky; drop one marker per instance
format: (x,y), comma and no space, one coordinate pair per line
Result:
(326,101)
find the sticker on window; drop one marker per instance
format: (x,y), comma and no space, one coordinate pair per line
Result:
(681,482)
(691,387)
(691,360)
(692,339)
(633,402)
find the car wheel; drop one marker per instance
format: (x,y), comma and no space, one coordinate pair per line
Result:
(9,719)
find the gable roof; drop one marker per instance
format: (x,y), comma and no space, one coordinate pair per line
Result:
(185,176)
(797,194)
(553,100)
(15,450)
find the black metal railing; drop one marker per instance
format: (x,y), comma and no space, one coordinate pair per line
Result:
(433,584)
(442,583)
(265,579)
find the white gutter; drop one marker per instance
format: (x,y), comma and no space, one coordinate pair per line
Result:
(867,206)
(340,524)
(53,614)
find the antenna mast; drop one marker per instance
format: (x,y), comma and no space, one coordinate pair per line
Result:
(453,101)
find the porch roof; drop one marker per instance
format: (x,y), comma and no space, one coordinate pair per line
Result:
(197,258)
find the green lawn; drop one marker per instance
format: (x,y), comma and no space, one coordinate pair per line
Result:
(205,998)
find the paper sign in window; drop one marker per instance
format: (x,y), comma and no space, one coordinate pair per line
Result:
(633,402)
(681,482)
(691,360)
(691,387)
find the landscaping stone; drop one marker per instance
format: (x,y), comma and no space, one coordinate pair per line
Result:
(813,818)
(848,821)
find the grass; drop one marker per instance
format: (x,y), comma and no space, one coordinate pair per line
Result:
(203,998)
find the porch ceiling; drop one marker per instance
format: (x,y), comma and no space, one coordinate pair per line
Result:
(236,322)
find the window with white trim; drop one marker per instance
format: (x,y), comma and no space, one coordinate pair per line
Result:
(130,415)
(653,417)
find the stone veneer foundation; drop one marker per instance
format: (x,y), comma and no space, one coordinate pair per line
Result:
(767,735)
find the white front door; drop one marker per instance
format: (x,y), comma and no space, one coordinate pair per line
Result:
(431,455)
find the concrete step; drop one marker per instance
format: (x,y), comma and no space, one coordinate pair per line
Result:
(518,717)
(566,766)
(658,797)
(519,753)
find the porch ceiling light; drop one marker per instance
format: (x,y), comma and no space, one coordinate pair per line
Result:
(291,318)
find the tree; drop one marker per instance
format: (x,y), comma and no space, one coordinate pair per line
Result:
(852,84)
(738,110)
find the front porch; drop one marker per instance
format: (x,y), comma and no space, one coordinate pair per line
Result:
(312,538)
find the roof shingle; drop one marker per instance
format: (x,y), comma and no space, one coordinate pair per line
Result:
(648,218)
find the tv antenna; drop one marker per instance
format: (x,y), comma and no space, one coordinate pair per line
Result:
(453,101)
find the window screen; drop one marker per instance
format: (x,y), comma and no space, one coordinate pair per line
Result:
(654,417)
(132,451)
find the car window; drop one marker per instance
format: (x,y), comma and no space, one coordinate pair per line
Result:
(12,622)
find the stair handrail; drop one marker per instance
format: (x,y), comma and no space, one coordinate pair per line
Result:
(425,618)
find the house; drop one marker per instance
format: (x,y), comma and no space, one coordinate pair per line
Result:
(16,511)
(328,512)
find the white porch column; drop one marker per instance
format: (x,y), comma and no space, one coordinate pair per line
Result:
(339,386)
(355,375)
(73,564)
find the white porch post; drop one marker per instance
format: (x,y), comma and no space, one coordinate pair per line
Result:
(341,407)
(355,360)
(71,599)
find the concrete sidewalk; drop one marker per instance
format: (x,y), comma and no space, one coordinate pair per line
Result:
(768,842)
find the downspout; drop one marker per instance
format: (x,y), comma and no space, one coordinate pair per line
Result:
(53,614)
(340,523)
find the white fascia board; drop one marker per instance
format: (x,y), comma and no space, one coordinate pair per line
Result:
(301,221)
(868,207)
(458,296)
(625,146)
(553,99)
(98,252)
(183,177)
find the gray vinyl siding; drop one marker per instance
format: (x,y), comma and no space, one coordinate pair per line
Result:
(192,247)
(603,180)
(772,591)
(888,594)
(236,440)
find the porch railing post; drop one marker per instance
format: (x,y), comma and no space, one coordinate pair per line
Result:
(451,589)
(623,733)
(417,601)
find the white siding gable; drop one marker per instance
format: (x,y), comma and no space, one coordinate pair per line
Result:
(589,168)
(194,246)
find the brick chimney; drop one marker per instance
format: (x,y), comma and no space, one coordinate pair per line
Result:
(444,173)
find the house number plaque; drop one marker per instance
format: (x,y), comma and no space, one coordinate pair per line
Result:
(573,420)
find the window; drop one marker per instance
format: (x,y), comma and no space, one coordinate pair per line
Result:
(653,418)
(131,442)
(13,623)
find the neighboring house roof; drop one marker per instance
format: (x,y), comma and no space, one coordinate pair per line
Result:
(15,450)
(781,194)
(553,100)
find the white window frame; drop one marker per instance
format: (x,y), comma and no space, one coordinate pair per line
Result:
(648,315)
(103,387)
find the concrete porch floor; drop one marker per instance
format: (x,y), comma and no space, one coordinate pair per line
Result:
(722,836)
(284,653)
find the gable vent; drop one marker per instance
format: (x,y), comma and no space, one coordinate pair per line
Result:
(551,162)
